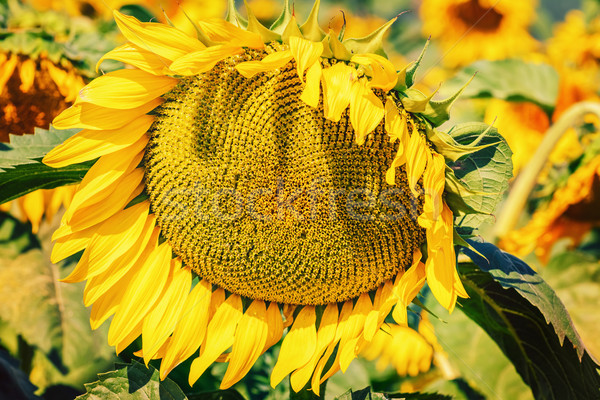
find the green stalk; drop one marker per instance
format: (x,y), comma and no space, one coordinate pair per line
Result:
(526,180)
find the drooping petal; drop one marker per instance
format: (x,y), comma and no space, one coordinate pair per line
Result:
(384,74)
(221,31)
(306,53)
(92,116)
(27,74)
(325,335)
(337,89)
(135,255)
(110,241)
(125,89)
(416,160)
(353,330)
(366,110)
(219,335)
(273,61)
(203,60)
(250,339)
(190,330)
(142,294)
(91,144)
(311,93)
(160,39)
(68,245)
(138,57)
(162,319)
(7,67)
(275,325)
(407,287)
(298,346)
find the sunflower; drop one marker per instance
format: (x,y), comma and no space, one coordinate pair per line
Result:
(41,72)
(253,179)
(468,30)
(571,213)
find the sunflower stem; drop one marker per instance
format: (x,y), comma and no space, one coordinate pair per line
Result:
(307,394)
(527,179)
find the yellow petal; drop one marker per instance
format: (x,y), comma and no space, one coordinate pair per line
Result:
(311,93)
(416,160)
(91,144)
(203,60)
(91,116)
(138,57)
(384,74)
(271,62)
(298,346)
(27,74)
(102,179)
(6,70)
(125,89)
(137,254)
(337,89)
(275,325)
(68,245)
(190,330)
(124,191)
(407,287)
(111,240)
(252,333)
(325,335)
(220,31)
(127,340)
(32,206)
(219,336)
(162,319)
(108,304)
(395,125)
(347,350)
(306,53)
(366,111)
(161,39)
(142,294)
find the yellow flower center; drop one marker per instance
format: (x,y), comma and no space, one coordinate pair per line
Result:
(475,15)
(261,195)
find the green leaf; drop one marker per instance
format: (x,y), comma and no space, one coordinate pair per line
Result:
(21,169)
(48,315)
(368,394)
(529,323)
(131,382)
(485,171)
(14,384)
(513,80)
(479,360)
(26,149)
(575,276)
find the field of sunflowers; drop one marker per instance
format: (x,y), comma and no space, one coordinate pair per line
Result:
(273,199)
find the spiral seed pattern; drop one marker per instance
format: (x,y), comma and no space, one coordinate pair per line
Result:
(262,196)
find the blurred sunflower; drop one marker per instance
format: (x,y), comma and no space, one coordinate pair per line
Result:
(469,30)
(571,213)
(252,173)
(41,72)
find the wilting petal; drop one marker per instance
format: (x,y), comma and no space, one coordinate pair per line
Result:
(337,90)
(221,31)
(203,60)
(311,93)
(384,74)
(366,111)
(306,53)
(271,62)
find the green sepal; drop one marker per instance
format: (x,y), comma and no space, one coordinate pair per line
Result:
(415,101)
(233,15)
(460,241)
(199,32)
(338,50)
(428,310)
(255,26)
(372,43)
(412,68)
(311,29)
(401,80)
(327,53)
(290,30)
(438,112)
(452,150)
(281,23)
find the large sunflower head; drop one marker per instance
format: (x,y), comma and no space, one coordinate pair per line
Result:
(252,179)
(469,30)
